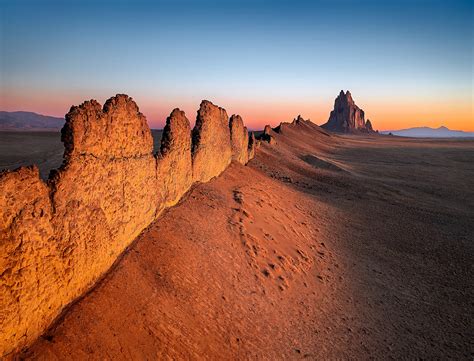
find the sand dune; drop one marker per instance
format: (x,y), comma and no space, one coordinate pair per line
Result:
(287,258)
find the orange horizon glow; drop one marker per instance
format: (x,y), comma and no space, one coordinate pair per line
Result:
(384,114)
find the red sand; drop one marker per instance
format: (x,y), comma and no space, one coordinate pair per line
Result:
(350,248)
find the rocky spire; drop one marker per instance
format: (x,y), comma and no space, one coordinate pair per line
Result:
(346,117)
(368,126)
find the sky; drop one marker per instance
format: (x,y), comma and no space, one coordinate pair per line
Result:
(406,63)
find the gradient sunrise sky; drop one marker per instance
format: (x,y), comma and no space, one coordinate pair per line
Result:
(406,63)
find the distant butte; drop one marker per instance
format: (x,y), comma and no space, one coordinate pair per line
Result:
(347,117)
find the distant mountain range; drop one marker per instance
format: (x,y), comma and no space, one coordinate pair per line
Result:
(427,132)
(24,121)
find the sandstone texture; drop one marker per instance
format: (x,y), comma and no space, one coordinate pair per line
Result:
(174,164)
(117,130)
(30,261)
(58,237)
(239,139)
(212,151)
(346,117)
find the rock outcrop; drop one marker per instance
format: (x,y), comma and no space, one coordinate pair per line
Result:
(239,139)
(280,129)
(211,136)
(174,167)
(118,130)
(346,117)
(267,135)
(58,237)
(30,260)
(252,146)
(368,126)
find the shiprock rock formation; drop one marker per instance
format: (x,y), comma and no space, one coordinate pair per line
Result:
(347,117)
(58,237)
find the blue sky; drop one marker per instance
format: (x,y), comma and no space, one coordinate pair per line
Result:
(266,60)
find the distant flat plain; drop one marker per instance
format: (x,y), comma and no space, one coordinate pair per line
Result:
(41,148)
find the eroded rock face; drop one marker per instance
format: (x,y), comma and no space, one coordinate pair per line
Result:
(58,238)
(29,264)
(346,117)
(299,119)
(252,146)
(68,232)
(174,163)
(239,139)
(105,191)
(268,135)
(115,131)
(211,136)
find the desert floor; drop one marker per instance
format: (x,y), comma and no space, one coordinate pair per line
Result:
(41,148)
(321,248)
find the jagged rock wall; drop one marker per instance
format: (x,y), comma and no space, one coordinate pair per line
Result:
(57,238)
(174,166)
(239,139)
(211,136)
(30,259)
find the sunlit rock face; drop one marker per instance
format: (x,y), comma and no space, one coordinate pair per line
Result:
(211,137)
(239,139)
(346,117)
(174,162)
(116,130)
(58,237)
(29,257)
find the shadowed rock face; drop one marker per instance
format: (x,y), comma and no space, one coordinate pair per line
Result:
(252,146)
(268,135)
(368,126)
(239,139)
(346,117)
(211,136)
(57,238)
(174,165)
